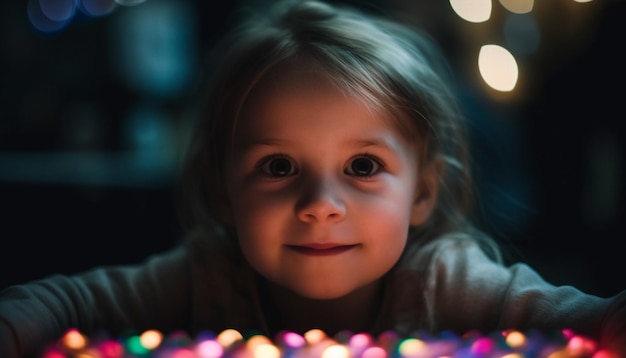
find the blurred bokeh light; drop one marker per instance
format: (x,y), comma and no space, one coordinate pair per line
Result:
(497,67)
(472,10)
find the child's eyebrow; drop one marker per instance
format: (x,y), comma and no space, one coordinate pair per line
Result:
(263,142)
(380,143)
(253,145)
(370,142)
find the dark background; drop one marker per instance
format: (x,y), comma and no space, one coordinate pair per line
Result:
(95,112)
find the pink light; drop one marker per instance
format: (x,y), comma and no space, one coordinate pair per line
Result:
(111,349)
(53,354)
(482,345)
(604,354)
(374,352)
(183,353)
(360,340)
(580,345)
(209,349)
(293,340)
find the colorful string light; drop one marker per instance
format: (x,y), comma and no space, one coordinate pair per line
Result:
(316,344)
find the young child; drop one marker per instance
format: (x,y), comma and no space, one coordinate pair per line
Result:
(327,187)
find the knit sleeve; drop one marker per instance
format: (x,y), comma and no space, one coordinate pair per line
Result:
(466,290)
(106,298)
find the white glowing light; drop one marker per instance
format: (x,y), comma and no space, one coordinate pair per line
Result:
(472,10)
(498,67)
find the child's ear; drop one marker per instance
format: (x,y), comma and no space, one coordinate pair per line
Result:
(427,191)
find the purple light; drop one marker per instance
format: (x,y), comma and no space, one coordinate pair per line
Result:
(58,10)
(41,21)
(98,7)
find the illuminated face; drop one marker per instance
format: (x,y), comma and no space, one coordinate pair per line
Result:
(321,187)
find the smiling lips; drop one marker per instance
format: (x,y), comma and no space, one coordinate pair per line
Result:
(327,249)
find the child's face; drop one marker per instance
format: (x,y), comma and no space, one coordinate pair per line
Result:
(321,187)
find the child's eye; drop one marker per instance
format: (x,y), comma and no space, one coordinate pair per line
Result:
(363,166)
(278,166)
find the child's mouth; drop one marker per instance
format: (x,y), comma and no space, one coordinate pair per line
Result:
(321,249)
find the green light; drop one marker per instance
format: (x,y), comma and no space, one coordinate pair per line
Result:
(134,346)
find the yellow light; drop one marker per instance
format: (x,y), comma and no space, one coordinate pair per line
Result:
(92,353)
(151,339)
(412,347)
(472,10)
(314,336)
(515,339)
(73,339)
(336,351)
(265,350)
(559,354)
(518,6)
(256,341)
(498,67)
(228,336)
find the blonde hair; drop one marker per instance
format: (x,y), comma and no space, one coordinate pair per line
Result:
(390,65)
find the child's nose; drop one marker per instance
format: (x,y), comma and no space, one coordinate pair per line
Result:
(321,201)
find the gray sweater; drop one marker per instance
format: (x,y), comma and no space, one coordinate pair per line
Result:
(448,284)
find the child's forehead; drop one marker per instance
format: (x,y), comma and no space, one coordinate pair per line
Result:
(300,93)
(301,88)
(294,84)
(293,75)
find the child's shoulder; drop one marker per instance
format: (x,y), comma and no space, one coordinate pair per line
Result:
(447,248)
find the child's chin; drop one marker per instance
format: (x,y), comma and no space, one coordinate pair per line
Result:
(321,292)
